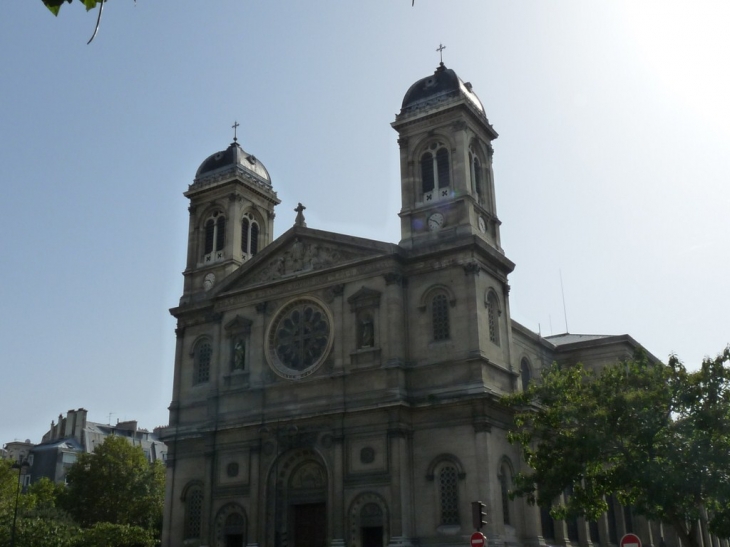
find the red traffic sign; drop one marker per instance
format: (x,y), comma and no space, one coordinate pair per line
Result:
(478,540)
(630,540)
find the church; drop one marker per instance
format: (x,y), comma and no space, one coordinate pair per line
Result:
(337,391)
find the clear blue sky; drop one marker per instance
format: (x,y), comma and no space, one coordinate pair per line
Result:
(612,165)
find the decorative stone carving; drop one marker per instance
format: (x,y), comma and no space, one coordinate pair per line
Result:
(303,256)
(472,268)
(392,278)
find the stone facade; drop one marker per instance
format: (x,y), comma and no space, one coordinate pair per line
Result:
(334,390)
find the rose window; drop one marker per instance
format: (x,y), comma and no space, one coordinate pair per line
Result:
(299,338)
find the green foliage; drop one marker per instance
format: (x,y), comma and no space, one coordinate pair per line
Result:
(45,494)
(55,5)
(42,531)
(656,436)
(116,484)
(105,534)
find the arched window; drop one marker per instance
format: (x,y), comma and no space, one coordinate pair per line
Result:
(249,235)
(525,373)
(435,172)
(209,235)
(193,512)
(215,235)
(202,357)
(493,317)
(234,529)
(475,168)
(449,495)
(440,317)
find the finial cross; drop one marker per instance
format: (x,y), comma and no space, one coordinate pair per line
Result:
(235,127)
(441,49)
(300,216)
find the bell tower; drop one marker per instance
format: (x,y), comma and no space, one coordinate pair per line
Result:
(447,183)
(231,217)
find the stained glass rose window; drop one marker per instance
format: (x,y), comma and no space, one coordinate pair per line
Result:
(299,338)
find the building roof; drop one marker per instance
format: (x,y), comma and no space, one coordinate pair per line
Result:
(441,86)
(232,158)
(568,338)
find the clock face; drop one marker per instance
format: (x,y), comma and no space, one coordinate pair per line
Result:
(482,225)
(435,221)
(208,281)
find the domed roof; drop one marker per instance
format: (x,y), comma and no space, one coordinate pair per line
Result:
(229,159)
(443,85)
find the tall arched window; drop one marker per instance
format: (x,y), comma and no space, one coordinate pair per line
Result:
(435,172)
(449,495)
(525,373)
(193,512)
(493,317)
(202,357)
(475,168)
(440,317)
(215,235)
(249,235)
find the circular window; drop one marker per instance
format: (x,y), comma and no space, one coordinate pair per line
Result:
(299,338)
(232,469)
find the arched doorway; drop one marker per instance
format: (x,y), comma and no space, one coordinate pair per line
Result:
(230,526)
(368,521)
(297,501)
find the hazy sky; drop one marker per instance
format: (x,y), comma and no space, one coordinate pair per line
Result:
(611,166)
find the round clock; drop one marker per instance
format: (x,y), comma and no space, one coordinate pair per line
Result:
(208,281)
(482,225)
(435,221)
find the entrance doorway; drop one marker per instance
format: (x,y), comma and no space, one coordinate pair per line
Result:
(371,536)
(310,525)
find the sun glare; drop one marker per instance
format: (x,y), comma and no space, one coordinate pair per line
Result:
(686,45)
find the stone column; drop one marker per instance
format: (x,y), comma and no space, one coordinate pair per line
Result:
(207,525)
(532,527)
(604,536)
(254,496)
(337,493)
(584,534)
(643,530)
(392,327)
(401,523)
(487,490)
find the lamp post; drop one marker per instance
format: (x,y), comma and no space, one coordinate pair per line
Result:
(20,466)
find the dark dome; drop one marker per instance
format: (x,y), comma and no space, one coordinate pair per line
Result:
(444,84)
(230,158)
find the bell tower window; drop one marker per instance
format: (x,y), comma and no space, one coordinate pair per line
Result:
(215,237)
(475,168)
(249,235)
(435,172)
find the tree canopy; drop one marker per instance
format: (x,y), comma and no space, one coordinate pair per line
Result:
(655,436)
(116,484)
(114,498)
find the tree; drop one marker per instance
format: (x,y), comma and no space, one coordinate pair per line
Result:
(55,5)
(116,484)
(655,436)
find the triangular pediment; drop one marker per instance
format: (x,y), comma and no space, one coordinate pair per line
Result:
(302,251)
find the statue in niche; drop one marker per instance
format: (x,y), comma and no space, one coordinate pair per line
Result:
(367,332)
(239,354)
